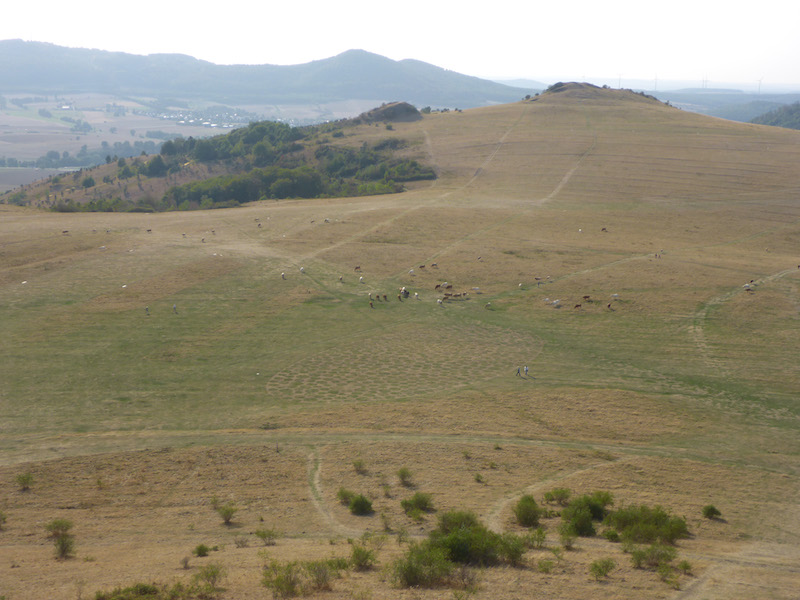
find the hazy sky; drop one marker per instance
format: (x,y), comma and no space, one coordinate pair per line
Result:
(546,40)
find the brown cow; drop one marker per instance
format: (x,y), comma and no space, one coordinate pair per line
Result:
(577,306)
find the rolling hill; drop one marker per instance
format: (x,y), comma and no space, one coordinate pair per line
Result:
(40,68)
(640,260)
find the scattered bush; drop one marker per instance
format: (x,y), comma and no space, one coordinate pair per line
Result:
(201,550)
(241,541)
(423,565)
(536,538)
(558,496)
(362,558)
(642,524)
(404,475)
(601,568)
(319,574)
(285,581)
(652,556)
(24,481)
(611,535)
(58,531)
(226,512)
(527,511)
(210,574)
(267,536)
(359,467)
(3,519)
(419,502)
(711,512)
(345,496)
(360,505)
(577,521)
(567,535)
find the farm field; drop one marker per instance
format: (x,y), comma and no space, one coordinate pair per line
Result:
(642,262)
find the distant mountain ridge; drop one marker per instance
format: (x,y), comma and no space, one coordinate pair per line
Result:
(355,74)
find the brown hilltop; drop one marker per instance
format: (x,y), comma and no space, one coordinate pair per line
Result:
(588,91)
(397,112)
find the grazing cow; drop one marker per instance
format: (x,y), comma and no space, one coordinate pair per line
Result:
(361,279)
(302,269)
(357,268)
(604,229)
(340,278)
(385,299)
(439,301)
(149,231)
(577,306)
(65,232)
(259,225)
(438,285)
(609,306)
(370,304)
(400,297)
(436,265)
(586,297)
(184,235)
(422,266)
(283,275)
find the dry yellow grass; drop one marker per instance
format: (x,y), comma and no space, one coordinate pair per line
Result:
(263,390)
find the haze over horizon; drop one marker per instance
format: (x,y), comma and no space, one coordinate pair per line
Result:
(618,42)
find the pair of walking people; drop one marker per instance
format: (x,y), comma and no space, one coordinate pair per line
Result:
(525,368)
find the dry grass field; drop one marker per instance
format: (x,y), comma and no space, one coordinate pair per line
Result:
(153,363)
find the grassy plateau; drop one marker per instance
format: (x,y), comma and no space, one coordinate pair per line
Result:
(642,262)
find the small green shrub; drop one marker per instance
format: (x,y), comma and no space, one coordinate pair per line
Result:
(558,496)
(3,519)
(359,467)
(319,573)
(652,556)
(642,524)
(58,527)
(24,481)
(360,505)
(577,520)
(711,512)
(64,542)
(685,567)
(601,568)
(267,536)
(226,512)
(611,535)
(567,535)
(512,549)
(65,546)
(479,478)
(527,512)
(345,496)
(362,558)
(285,581)
(423,565)
(201,550)
(210,574)
(404,475)
(536,538)
(420,502)
(457,519)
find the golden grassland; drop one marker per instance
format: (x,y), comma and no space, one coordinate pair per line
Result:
(145,373)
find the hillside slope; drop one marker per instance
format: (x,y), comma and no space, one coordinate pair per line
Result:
(639,260)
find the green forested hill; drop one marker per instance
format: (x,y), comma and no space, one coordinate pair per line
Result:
(265,160)
(786,116)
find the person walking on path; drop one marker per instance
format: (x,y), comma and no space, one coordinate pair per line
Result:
(175,310)
(526,370)
(518,373)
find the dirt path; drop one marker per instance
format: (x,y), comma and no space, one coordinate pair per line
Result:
(315,489)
